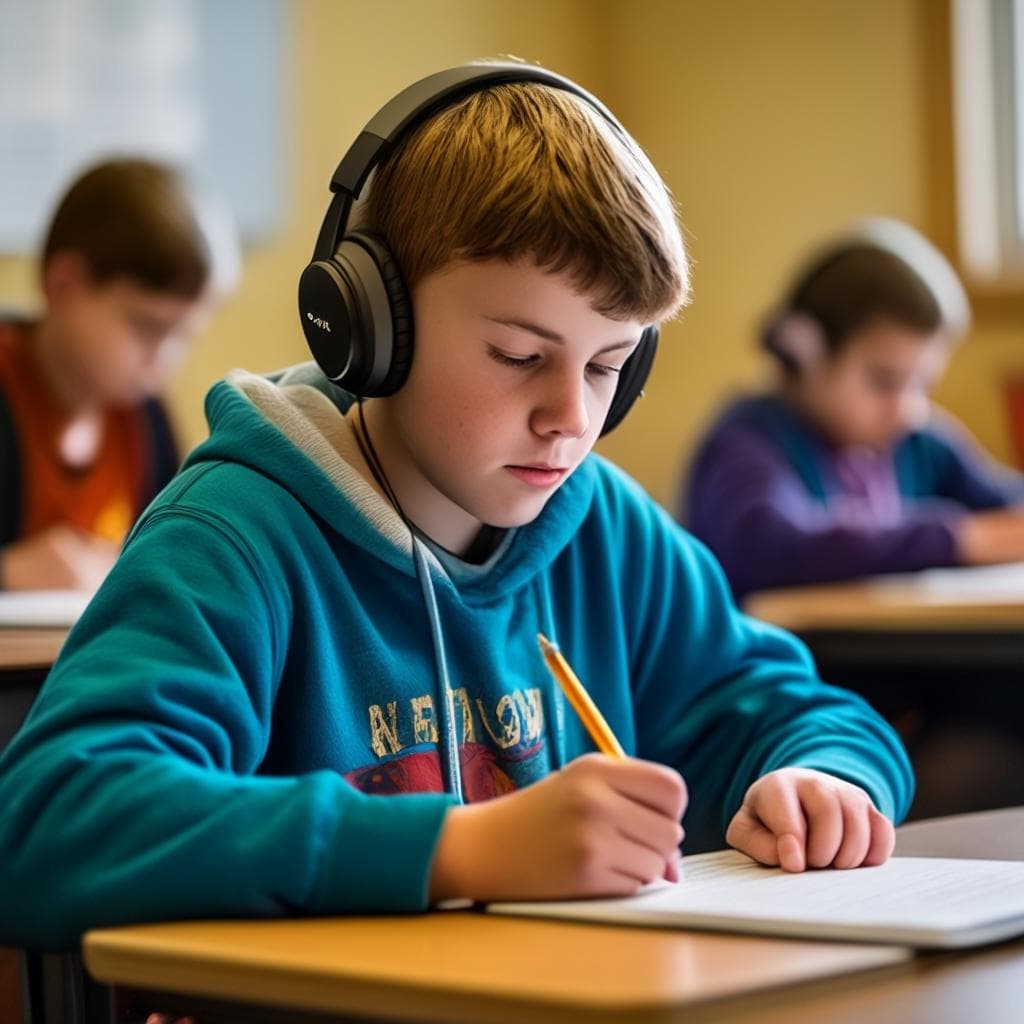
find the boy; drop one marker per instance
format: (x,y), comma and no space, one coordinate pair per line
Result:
(318,688)
(130,264)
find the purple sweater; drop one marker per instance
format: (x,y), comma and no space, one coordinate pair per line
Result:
(778,506)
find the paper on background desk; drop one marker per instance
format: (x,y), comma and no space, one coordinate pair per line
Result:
(981,584)
(42,608)
(908,901)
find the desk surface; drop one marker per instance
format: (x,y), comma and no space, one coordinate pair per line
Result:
(988,598)
(463,966)
(886,604)
(939,625)
(29,648)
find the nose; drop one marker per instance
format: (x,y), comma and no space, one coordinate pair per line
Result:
(562,408)
(159,361)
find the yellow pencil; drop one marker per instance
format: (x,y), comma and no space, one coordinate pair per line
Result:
(600,731)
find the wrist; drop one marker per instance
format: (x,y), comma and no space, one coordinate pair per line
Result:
(452,874)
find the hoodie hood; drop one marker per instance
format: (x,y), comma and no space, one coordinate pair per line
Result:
(291,428)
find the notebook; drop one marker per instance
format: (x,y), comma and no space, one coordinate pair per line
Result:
(923,902)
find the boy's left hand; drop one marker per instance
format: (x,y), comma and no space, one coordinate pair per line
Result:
(797,818)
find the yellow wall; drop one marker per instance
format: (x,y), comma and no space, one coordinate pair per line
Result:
(772,123)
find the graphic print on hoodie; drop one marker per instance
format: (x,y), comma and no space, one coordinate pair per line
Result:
(498,706)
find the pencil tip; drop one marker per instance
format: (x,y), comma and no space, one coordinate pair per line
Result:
(543,641)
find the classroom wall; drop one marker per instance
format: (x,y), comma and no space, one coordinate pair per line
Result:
(771,123)
(776,123)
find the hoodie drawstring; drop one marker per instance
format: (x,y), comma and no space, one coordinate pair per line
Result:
(450,765)
(450,768)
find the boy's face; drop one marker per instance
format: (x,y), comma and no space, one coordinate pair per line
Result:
(121,341)
(877,388)
(512,376)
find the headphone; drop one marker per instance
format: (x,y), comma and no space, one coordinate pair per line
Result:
(354,306)
(796,337)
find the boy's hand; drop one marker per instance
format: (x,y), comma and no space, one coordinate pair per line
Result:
(600,826)
(798,818)
(60,558)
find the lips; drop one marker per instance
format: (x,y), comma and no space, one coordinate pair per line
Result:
(538,474)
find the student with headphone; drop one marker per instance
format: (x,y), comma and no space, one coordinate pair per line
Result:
(845,468)
(312,684)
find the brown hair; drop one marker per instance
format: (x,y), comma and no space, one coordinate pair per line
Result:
(884,271)
(137,219)
(528,171)
(861,284)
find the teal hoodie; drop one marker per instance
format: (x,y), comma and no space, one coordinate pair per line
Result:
(247,720)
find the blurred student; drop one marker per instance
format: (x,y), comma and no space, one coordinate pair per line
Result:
(132,262)
(845,468)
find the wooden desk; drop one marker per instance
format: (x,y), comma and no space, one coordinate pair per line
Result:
(25,657)
(461,967)
(970,616)
(941,655)
(29,650)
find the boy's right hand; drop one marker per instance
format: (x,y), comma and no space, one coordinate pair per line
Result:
(600,826)
(60,558)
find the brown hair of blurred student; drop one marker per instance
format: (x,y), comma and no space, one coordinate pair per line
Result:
(852,288)
(136,219)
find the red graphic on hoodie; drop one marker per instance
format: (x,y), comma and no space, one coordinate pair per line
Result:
(483,776)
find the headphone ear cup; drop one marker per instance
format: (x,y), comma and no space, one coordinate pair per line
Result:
(400,306)
(326,311)
(632,378)
(357,317)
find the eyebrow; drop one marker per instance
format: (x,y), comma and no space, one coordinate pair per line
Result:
(547,334)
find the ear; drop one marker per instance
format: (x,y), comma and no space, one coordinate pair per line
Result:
(64,274)
(800,336)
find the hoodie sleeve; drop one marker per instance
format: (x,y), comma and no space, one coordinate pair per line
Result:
(961,469)
(726,699)
(754,512)
(130,794)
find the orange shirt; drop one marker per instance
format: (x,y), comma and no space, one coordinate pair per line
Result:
(103,497)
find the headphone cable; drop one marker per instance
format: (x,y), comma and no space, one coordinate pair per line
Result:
(451,767)
(372,459)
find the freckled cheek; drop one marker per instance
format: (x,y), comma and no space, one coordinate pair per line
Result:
(475,420)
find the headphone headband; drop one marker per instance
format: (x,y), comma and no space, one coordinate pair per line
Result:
(414,103)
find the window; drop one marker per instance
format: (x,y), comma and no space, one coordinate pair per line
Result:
(988,110)
(193,82)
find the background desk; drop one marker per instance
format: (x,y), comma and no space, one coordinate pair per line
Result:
(25,657)
(469,967)
(941,655)
(29,650)
(951,617)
